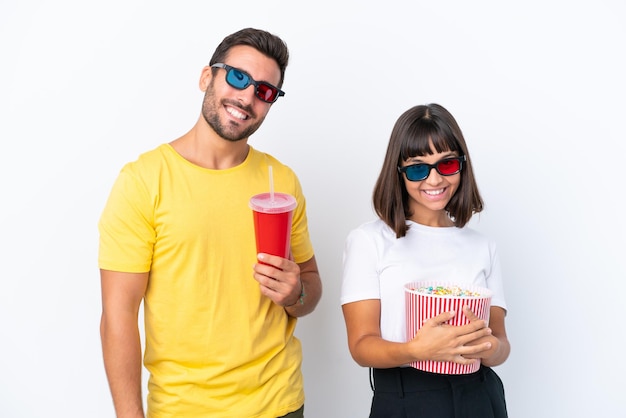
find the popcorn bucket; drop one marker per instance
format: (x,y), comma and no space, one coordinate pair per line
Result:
(427,299)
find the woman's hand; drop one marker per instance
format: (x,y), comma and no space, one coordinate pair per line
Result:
(439,341)
(500,346)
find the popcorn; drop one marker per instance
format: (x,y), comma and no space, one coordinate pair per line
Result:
(445,290)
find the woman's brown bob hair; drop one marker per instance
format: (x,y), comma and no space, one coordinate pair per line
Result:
(412,136)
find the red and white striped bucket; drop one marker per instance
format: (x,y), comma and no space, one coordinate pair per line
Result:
(423,305)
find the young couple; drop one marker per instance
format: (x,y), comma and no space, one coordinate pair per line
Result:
(219,334)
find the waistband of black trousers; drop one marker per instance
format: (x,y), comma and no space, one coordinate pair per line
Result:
(410,379)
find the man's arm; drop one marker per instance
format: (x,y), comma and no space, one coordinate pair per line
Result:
(312,289)
(122,294)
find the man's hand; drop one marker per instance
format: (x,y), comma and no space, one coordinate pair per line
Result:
(279,279)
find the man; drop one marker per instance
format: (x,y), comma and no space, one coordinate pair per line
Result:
(177,233)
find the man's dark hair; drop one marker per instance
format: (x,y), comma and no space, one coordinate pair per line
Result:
(263,41)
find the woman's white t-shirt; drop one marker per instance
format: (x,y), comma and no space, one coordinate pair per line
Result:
(377,265)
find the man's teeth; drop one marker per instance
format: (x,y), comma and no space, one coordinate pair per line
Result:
(433,192)
(234,112)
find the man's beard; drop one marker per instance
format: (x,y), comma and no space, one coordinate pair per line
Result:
(229,132)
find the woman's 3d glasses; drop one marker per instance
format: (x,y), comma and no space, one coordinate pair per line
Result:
(445,167)
(240,80)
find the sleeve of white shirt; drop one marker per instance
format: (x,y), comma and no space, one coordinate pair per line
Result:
(360,268)
(494,279)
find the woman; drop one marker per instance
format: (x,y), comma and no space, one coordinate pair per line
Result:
(424,197)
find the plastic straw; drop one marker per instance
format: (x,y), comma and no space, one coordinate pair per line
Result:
(271,184)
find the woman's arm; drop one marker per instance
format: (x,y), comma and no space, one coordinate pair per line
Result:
(434,341)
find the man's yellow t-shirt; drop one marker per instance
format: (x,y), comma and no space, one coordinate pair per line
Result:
(215,347)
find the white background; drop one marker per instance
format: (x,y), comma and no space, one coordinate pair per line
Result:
(537,87)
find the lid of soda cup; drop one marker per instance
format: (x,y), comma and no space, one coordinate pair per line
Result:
(282,202)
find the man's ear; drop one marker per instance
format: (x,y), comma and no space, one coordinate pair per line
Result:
(205,78)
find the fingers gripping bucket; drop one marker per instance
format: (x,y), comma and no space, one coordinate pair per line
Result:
(427,299)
